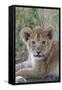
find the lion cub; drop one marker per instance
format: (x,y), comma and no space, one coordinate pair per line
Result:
(43,53)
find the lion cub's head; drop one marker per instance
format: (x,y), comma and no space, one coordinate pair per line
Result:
(38,41)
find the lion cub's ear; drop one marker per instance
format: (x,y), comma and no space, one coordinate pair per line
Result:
(25,34)
(50,32)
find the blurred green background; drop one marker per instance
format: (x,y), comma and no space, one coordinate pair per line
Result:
(32,17)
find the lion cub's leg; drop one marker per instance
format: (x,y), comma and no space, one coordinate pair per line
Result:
(23,74)
(26,73)
(53,68)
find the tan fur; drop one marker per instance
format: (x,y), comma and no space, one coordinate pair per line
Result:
(45,66)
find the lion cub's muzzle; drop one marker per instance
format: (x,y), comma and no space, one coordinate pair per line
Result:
(38,54)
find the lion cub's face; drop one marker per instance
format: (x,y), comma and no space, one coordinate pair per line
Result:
(38,41)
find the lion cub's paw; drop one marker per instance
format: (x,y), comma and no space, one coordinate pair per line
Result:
(20,79)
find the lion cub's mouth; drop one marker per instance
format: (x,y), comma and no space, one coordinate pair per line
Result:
(38,55)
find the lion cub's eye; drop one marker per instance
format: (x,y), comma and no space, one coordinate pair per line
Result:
(33,42)
(43,42)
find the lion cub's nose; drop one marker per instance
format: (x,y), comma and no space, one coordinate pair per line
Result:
(38,52)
